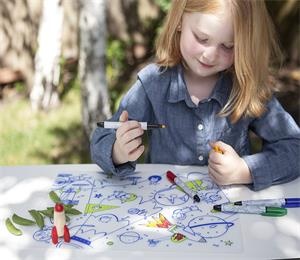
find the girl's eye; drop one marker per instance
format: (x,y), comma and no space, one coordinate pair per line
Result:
(226,48)
(201,40)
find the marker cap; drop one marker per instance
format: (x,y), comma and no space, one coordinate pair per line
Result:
(274,212)
(171,176)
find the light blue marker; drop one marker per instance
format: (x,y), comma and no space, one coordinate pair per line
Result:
(284,202)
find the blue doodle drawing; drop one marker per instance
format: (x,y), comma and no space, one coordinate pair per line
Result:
(143,210)
(154,179)
(43,234)
(129,237)
(207,226)
(181,214)
(171,197)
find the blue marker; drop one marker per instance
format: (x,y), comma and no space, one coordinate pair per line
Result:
(286,203)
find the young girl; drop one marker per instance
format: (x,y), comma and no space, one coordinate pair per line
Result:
(210,86)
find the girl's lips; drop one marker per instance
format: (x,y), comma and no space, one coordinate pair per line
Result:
(206,65)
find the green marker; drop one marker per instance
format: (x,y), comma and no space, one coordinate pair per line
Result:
(251,209)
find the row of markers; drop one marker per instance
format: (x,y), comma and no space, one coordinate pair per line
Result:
(265,207)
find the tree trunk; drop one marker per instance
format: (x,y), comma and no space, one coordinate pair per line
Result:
(44,94)
(95,100)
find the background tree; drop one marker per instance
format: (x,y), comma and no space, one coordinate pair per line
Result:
(286,17)
(44,93)
(95,101)
(18,32)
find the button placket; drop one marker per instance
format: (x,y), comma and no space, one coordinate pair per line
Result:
(201,134)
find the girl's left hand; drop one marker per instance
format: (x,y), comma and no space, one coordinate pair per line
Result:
(227,167)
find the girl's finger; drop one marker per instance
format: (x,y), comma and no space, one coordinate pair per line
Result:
(214,169)
(212,174)
(215,158)
(132,134)
(125,127)
(124,116)
(132,145)
(134,155)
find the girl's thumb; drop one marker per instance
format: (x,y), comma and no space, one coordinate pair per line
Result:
(124,116)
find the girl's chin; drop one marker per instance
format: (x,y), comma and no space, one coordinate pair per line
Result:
(205,73)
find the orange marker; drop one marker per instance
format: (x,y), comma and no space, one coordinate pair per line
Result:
(217,149)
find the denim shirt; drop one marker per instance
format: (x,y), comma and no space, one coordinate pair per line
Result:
(161,96)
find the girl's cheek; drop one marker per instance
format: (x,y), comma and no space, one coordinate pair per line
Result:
(228,57)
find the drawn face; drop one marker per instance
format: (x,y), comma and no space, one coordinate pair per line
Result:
(206,42)
(170,197)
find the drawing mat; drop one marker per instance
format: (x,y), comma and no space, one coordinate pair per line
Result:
(144,211)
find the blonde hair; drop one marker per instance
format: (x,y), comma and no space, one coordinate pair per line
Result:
(255,45)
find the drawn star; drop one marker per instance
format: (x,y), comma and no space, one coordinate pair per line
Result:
(228,243)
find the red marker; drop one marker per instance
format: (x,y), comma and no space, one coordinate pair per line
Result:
(174,179)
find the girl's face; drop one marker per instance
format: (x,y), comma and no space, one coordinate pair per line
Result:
(206,42)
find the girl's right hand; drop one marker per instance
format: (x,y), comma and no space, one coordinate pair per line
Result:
(128,145)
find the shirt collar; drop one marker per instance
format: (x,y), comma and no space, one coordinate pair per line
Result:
(178,91)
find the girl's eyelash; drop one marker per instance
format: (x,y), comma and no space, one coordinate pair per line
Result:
(201,40)
(226,47)
(205,40)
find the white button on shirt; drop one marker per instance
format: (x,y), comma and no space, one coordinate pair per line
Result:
(200,127)
(200,158)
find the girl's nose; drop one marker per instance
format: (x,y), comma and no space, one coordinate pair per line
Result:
(210,55)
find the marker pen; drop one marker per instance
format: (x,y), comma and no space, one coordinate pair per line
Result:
(217,149)
(115,125)
(175,179)
(251,209)
(283,202)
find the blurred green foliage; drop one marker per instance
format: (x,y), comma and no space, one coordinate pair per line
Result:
(42,138)
(163,4)
(115,63)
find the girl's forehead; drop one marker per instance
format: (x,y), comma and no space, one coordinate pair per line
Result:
(217,25)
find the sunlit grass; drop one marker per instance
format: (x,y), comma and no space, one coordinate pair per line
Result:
(42,138)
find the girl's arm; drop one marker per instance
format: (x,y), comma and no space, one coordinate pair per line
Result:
(278,162)
(138,107)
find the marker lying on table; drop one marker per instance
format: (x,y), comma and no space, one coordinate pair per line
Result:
(115,125)
(253,209)
(284,202)
(174,179)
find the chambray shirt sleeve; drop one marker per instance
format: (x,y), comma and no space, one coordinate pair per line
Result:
(102,141)
(278,162)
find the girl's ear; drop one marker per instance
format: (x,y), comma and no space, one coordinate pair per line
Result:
(179,28)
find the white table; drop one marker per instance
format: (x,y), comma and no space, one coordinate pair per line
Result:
(263,237)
